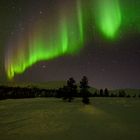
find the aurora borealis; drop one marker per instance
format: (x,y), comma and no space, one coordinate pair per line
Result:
(47,41)
(66,38)
(48,30)
(108,17)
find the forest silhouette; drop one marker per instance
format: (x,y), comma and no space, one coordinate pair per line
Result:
(68,92)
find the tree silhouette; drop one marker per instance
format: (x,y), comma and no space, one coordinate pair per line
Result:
(65,93)
(122,93)
(84,90)
(101,93)
(95,94)
(113,95)
(106,92)
(128,96)
(70,90)
(134,95)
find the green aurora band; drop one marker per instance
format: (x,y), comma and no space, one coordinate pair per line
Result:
(46,42)
(64,34)
(108,17)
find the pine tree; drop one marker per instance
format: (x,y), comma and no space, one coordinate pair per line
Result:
(84,90)
(101,93)
(106,92)
(70,90)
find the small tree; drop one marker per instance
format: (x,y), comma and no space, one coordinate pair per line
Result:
(106,92)
(128,96)
(112,95)
(134,95)
(95,94)
(101,93)
(65,93)
(84,90)
(122,93)
(70,90)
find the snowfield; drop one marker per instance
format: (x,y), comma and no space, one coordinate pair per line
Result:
(54,119)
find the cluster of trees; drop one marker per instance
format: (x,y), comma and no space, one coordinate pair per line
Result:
(67,93)
(24,92)
(107,93)
(70,91)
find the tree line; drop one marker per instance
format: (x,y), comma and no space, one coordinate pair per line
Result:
(67,92)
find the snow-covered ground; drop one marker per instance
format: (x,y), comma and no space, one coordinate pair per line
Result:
(53,119)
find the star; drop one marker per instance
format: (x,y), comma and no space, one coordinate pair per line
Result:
(44,66)
(40,12)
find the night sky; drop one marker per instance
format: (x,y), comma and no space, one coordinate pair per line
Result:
(52,40)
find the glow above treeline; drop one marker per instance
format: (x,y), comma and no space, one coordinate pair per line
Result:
(63,34)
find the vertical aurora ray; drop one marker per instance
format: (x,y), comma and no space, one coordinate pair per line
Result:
(64,37)
(108,16)
(80,19)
